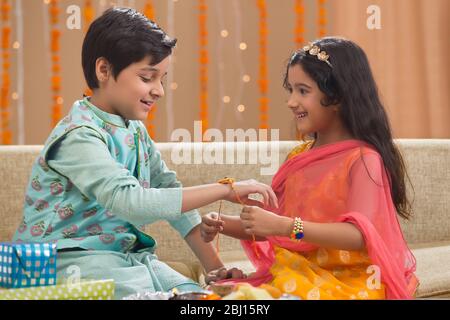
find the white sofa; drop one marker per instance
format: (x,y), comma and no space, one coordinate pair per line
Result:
(428,232)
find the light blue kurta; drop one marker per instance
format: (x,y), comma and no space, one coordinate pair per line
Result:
(98,180)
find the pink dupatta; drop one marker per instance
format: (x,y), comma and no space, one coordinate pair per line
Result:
(340,182)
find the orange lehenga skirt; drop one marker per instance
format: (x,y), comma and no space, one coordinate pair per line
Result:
(326,274)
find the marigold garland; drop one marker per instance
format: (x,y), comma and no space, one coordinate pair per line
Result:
(299,30)
(263,80)
(149,10)
(88,15)
(55,35)
(6,133)
(203,61)
(322,18)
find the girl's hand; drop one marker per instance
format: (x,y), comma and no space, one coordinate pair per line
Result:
(263,223)
(223,273)
(210,226)
(247,187)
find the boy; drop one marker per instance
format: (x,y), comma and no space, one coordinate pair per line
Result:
(99,177)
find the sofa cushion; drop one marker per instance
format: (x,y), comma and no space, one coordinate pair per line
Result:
(15,168)
(428,167)
(433,271)
(426,160)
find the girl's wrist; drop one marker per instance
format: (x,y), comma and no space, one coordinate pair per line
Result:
(287,224)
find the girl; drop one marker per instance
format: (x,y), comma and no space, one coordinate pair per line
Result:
(99,177)
(335,234)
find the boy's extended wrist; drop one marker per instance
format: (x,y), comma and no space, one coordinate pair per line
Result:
(215,267)
(226,191)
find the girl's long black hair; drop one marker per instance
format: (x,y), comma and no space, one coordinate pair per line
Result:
(350,83)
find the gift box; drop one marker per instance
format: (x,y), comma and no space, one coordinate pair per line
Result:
(27,264)
(84,290)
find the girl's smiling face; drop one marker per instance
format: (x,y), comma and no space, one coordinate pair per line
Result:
(135,90)
(305,102)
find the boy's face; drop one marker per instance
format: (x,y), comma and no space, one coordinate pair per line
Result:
(136,89)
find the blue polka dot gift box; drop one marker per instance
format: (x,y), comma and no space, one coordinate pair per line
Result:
(27,264)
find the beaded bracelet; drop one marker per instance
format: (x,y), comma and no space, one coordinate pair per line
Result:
(297,232)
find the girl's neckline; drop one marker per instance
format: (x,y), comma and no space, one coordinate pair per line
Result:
(312,147)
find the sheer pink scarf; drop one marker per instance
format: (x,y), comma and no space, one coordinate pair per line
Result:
(340,182)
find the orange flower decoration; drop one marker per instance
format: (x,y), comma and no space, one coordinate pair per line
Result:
(299,30)
(322,18)
(55,80)
(263,80)
(5,115)
(203,62)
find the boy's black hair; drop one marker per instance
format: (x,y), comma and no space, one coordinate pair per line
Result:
(123,36)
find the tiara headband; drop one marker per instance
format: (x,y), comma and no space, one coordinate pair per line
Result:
(315,51)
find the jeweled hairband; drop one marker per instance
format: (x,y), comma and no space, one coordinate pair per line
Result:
(315,51)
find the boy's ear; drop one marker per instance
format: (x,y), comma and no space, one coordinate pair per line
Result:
(102,69)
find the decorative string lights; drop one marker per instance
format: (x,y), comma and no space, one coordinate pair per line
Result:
(222,37)
(55,34)
(6,133)
(299,30)
(18,95)
(263,78)
(239,61)
(203,62)
(322,18)
(149,12)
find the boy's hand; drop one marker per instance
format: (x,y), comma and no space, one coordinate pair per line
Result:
(223,273)
(210,226)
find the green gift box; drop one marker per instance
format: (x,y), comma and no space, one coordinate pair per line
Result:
(83,290)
